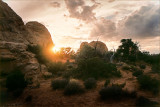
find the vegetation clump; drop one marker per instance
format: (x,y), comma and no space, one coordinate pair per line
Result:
(96,68)
(148,83)
(137,73)
(90,83)
(73,87)
(59,83)
(107,82)
(142,66)
(127,51)
(115,92)
(56,67)
(15,82)
(156,68)
(145,102)
(125,68)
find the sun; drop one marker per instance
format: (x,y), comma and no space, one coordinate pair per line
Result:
(56,49)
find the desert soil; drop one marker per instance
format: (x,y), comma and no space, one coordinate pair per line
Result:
(45,96)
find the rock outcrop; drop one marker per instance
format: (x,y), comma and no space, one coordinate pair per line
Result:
(100,46)
(15,37)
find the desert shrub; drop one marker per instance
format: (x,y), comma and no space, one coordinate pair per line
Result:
(90,83)
(125,68)
(68,74)
(59,83)
(37,50)
(73,87)
(28,98)
(133,68)
(148,83)
(117,73)
(2,82)
(17,92)
(106,83)
(149,58)
(3,96)
(115,92)
(96,68)
(156,68)
(145,102)
(3,73)
(15,82)
(57,67)
(137,73)
(110,92)
(142,66)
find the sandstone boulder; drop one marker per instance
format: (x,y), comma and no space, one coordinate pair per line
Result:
(98,45)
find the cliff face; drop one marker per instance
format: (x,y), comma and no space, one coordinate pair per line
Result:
(15,37)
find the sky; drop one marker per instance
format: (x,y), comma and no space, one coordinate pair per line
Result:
(72,22)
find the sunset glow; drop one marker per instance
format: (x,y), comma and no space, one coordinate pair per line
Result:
(71,22)
(56,49)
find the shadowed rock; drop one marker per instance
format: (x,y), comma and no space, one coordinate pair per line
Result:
(15,37)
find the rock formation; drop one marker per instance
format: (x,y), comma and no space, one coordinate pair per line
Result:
(15,37)
(100,46)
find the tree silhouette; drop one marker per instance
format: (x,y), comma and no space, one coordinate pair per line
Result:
(128,50)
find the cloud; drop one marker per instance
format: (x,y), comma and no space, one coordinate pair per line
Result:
(111,1)
(142,23)
(34,8)
(78,9)
(55,4)
(104,28)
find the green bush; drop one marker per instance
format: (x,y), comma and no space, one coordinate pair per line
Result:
(57,67)
(133,68)
(3,73)
(15,82)
(96,68)
(59,83)
(107,82)
(90,83)
(148,83)
(73,87)
(137,73)
(28,98)
(67,74)
(3,96)
(156,68)
(125,68)
(145,102)
(142,66)
(149,58)
(115,92)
